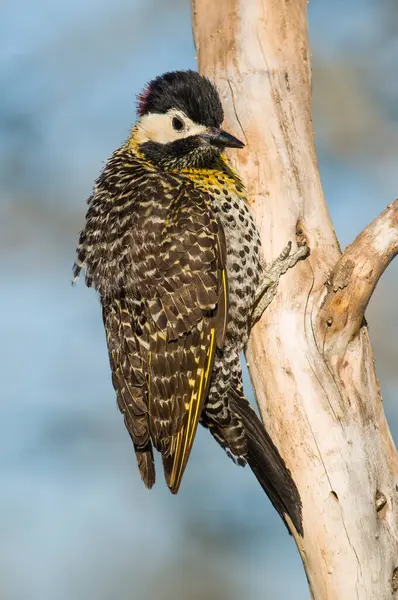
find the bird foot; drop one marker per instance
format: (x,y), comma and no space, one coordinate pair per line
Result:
(267,288)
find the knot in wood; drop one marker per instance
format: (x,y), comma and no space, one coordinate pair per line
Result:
(394,580)
(380,501)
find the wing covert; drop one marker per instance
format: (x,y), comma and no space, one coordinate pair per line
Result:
(164,329)
(189,315)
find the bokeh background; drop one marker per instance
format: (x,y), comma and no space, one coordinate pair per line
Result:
(75,521)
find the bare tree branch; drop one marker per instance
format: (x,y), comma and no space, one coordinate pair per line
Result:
(324,412)
(354,279)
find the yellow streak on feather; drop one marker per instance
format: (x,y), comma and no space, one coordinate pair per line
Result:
(206,376)
(149,379)
(188,431)
(224,283)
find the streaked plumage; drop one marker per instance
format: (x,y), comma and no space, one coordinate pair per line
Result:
(171,247)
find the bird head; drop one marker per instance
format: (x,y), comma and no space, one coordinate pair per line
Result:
(179,125)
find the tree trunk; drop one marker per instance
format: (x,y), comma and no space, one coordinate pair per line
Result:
(310,357)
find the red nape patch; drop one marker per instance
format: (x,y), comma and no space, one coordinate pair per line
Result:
(142,100)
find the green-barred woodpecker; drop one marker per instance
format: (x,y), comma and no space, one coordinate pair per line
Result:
(171,247)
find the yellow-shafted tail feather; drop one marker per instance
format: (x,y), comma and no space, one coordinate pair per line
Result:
(183,441)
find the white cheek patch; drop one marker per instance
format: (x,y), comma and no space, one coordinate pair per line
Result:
(155,127)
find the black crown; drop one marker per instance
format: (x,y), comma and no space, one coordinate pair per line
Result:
(188,91)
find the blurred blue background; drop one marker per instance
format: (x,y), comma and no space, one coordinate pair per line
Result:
(75,520)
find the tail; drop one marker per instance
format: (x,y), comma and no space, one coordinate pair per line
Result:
(268,465)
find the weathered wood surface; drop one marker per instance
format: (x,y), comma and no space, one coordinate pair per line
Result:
(310,357)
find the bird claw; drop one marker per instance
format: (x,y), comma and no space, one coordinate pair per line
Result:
(267,289)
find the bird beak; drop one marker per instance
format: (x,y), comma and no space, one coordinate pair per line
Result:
(222,139)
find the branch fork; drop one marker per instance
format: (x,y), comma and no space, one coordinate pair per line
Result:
(354,279)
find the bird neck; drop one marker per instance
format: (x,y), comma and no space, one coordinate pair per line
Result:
(219,175)
(218,172)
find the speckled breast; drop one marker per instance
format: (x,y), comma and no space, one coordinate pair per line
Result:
(243,247)
(243,263)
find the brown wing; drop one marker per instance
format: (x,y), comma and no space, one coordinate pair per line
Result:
(127,344)
(189,315)
(162,335)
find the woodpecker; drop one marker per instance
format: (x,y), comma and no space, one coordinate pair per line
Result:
(172,249)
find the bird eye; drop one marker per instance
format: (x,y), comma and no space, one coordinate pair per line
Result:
(178,125)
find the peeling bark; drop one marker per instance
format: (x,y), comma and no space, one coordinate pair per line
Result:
(310,357)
